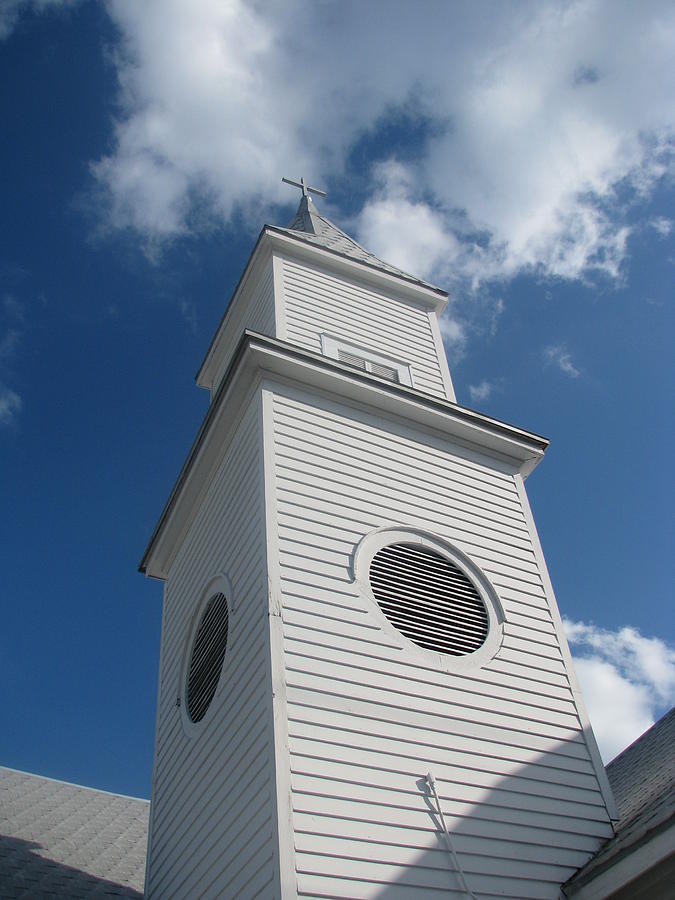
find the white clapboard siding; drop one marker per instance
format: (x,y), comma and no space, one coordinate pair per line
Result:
(253,311)
(320,302)
(367,718)
(213,823)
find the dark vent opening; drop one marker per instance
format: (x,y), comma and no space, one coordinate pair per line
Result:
(382,370)
(206,660)
(429,599)
(351,359)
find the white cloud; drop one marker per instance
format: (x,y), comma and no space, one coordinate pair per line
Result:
(479,392)
(12,10)
(559,356)
(494,313)
(212,114)
(541,112)
(454,336)
(10,405)
(662,226)
(405,230)
(627,681)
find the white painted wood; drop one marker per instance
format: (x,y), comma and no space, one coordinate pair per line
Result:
(319,301)
(286,878)
(307,776)
(153,789)
(542,843)
(280,330)
(214,805)
(440,350)
(567,656)
(367,719)
(332,347)
(502,448)
(309,254)
(253,309)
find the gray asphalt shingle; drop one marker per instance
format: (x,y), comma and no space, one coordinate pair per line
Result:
(63,840)
(642,778)
(310,226)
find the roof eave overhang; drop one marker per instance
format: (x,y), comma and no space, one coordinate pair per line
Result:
(271,238)
(610,872)
(258,357)
(427,296)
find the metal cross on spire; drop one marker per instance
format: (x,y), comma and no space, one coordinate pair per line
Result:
(304,187)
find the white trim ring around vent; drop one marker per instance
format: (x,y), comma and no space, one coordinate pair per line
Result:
(429,597)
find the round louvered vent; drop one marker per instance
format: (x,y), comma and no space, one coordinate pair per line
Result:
(428,599)
(206,659)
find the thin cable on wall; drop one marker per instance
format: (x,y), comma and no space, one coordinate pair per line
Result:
(431,781)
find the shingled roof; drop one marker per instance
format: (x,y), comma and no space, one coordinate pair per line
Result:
(63,840)
(310,226)
(642,778)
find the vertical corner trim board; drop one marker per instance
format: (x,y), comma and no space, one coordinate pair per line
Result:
(214,798)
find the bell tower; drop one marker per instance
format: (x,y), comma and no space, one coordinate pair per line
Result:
(364,687)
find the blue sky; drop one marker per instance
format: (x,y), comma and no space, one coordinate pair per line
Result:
(518,154)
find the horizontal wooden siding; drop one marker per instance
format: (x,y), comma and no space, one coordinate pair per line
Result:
(254,312)
(367,719)
(319,302)
(213,807)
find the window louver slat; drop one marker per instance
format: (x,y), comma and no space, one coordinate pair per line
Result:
(440,627)
(416,562)
(351,359)
(439,610)
(419,580)
(460,593)
(383,371)
(436,628)
(421,635)
(206,659)
(429,599)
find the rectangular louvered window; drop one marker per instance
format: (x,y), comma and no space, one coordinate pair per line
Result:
(366,361)
(351,359)
(382,371)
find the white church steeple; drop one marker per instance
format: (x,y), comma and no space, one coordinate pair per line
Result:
(355,597)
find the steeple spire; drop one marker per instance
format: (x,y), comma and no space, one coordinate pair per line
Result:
(306,218)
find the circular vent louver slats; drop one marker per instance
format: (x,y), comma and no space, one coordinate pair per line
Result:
(206,660)
(428,599)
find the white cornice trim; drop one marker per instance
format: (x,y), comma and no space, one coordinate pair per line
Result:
(259,356)
(408,288)
(269,240)
(260,255)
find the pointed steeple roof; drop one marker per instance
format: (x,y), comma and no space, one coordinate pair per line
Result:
(310,226)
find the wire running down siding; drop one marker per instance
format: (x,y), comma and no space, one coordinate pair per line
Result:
(367,719)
